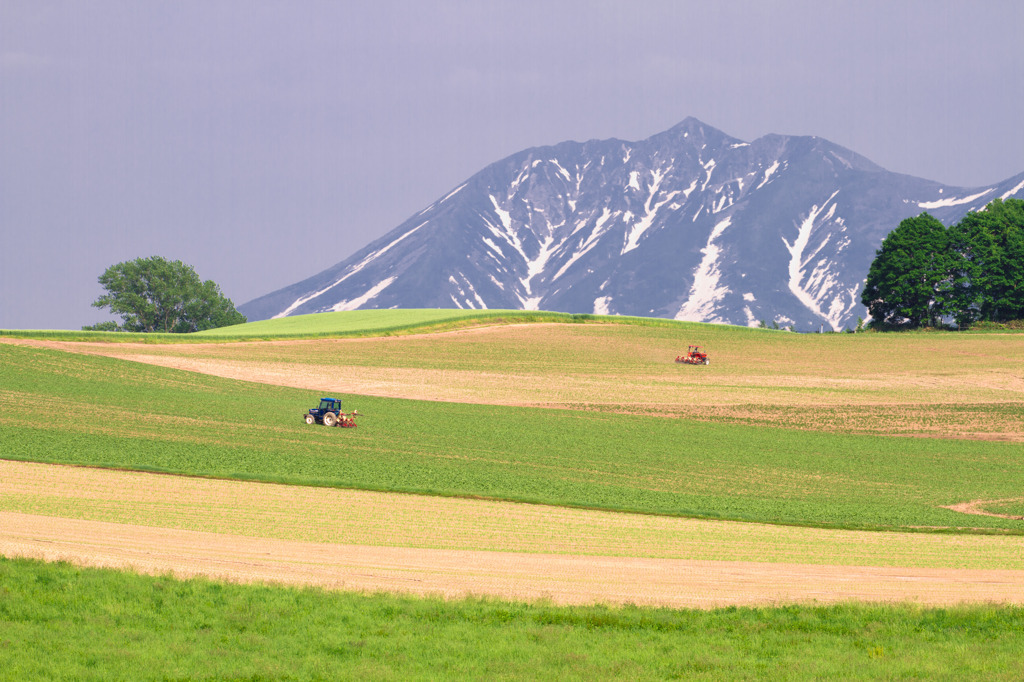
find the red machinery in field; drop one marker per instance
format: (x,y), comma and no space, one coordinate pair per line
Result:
(694,356)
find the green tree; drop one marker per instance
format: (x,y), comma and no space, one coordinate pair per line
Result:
(157,295)
(911,283)
(989,245)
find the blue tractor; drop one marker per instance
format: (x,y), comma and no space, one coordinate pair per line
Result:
(329,414)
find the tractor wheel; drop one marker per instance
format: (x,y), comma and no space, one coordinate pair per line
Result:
(330,419)
(309,419)
(707,361)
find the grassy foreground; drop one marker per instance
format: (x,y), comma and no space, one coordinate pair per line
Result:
(63,622)
(60,407)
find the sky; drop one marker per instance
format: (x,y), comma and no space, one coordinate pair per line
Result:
(263,141)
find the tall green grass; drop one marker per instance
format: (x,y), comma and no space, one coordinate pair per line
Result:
(59,407)
(59,622)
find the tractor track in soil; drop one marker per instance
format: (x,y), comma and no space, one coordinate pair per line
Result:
(562,575)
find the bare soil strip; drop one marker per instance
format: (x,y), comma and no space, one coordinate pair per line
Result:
(978,507)
(561,579)
(358,540)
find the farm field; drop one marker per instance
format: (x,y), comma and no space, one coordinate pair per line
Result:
(356,539)
(131,415)
(570,463)
(934,385)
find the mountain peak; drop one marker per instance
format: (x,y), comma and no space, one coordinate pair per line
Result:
(693,126)
(690,224)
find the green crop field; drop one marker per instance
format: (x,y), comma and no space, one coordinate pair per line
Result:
(784,429)
(932,385)
(106,412)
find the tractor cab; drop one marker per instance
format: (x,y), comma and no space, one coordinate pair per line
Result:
(329,405)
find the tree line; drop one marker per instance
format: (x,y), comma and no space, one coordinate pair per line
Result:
(926,273)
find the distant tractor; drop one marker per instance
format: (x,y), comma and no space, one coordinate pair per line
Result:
(329,414)
(694,356)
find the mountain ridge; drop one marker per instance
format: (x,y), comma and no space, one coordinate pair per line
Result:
(690,223)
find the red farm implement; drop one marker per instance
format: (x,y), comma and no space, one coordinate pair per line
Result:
(694,356)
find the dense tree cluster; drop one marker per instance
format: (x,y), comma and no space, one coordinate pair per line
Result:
(157,295)
(925,273)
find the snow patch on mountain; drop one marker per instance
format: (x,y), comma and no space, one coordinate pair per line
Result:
(494,247)
(353,270)
(689,190)
(768,173)
(1013,191)
(599,229)
(820,278)
(650,212)
(928,205)
(472,299)
(503,215)
(706,291)
(710,168)
(356,303)
(601,305)
(453,193)
(536,266)
(564,173)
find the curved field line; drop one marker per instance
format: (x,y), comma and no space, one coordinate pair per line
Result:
(977,507)
(358,540)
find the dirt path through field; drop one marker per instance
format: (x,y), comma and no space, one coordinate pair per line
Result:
(359,540)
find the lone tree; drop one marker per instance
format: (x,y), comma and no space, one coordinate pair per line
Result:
(157,295)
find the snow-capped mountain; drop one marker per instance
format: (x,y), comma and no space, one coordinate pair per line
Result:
(690,224)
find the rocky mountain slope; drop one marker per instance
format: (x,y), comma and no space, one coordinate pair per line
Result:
(690,224)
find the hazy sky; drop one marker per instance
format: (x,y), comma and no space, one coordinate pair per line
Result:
(264,141)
